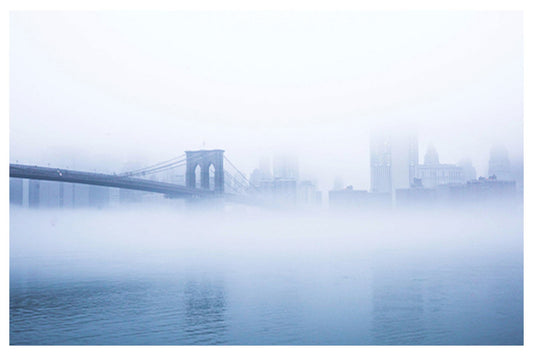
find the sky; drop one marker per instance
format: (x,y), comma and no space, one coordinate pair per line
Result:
(100,90)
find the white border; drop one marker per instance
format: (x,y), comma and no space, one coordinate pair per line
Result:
(242,5)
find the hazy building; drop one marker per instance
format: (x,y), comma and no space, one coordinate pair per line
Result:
(380,165)
(15,191)
(517,172)
(49,194)
(469,172)
(127,196)
(114,197)
(393,162)
(286,167)
(432,173)
(404,160)
(98,196)
(261,178)
(482,190)
(80,196)
(258,178)
(499,164)
(33,193)
(67,195)
(307,193)
(282,187)
(284,190)
(415,197)
(264,166)
(348,199)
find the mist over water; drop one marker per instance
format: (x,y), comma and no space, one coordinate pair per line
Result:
(382,152)
(243,276)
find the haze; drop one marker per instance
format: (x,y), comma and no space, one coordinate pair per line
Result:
(238,250)
(113,87)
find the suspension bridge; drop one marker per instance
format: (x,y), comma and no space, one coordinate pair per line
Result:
(208,174)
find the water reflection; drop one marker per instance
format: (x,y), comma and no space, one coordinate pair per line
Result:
(205,307)
(398,310)
(460,302)
(125,286)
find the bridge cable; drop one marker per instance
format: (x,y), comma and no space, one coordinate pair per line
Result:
(161,169)
(241,174)
(235,181)
(153,166)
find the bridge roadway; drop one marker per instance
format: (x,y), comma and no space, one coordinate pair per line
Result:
(105,180)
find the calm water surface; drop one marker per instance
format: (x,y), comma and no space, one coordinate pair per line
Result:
(80,278)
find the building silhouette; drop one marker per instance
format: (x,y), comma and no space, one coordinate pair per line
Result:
(393,162)
(432,173)
(499,164)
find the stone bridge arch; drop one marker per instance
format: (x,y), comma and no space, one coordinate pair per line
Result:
(204,159)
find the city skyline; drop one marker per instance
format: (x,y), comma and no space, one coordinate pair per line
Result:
(266,178)
(458,84)
(418,158)
(398,178)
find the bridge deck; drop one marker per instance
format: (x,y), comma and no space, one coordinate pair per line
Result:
(105,180)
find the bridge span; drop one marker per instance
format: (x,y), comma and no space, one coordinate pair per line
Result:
(106,180)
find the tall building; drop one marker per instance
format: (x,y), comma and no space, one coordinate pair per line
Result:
(307,193)
(380,165)
(264,166)
(285,190)
(469,171)
(499,164)
(286,167)
(262,176)
(393,162)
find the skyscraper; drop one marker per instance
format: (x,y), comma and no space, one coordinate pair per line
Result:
(393,162)
(380,164)
(469,171)
(286,167)
(499,164)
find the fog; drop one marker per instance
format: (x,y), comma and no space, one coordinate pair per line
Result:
(370,190)
(162,240)
(97,90)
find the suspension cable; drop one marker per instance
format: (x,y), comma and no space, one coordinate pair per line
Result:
(236,181)
(241,174)
(153,166)
(162,168)
(160,165)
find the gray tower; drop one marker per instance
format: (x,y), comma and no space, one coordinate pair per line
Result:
(204,159)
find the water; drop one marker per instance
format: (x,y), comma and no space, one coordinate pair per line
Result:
(165,277)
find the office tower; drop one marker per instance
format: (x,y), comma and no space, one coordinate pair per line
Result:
(393,162)
(499,164)
(286,167)
(380,164)
(469,172)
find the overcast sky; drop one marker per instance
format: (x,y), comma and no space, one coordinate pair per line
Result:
(103,89)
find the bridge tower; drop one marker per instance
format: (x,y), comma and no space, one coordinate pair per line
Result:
(204,159)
